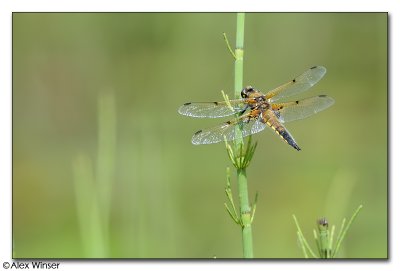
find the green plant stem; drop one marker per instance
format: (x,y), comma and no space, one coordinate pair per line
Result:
(239,50)
(94,185)
(106,146)
(89,211)
(245,214)
(245,210)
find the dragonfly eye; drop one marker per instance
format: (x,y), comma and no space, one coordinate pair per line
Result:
(245,92)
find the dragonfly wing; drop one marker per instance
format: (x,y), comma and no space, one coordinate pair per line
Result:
(301,109)
(299,84)
(228,130)
(212,109)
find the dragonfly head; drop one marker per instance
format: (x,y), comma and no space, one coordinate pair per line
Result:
(247,92)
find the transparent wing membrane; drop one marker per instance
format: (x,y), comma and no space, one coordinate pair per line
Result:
(301,109)
(228,129)
(299,84)
(212,109)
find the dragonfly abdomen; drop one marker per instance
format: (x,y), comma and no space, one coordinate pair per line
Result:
(282,132)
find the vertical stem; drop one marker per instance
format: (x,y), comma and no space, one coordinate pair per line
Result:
(245,214)
(105,170)
(245,211)
(239,54)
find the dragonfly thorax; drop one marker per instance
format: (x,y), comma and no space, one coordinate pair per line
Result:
(254,98)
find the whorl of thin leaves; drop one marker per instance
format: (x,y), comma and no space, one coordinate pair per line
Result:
(241,158)
(324,237)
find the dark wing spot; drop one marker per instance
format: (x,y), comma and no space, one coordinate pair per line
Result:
(281,107)
(228,122)
(216,103)
(322,95)
(313,67)
(294,80)
(198,132)
(297,102)
(186,103)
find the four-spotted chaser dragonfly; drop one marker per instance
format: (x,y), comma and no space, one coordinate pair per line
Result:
(257,110)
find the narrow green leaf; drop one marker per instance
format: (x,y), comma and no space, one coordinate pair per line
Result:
(303,248)
(228,45)
(343,233)
(303,238)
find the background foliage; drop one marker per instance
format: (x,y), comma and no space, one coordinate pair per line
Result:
(168,195)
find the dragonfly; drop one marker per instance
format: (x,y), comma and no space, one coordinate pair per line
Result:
(255,111)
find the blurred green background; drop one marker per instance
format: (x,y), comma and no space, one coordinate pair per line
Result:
(152,193)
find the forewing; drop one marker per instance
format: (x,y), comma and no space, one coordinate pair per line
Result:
(297,85)
(228,130)
(301,109)
(212,109)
